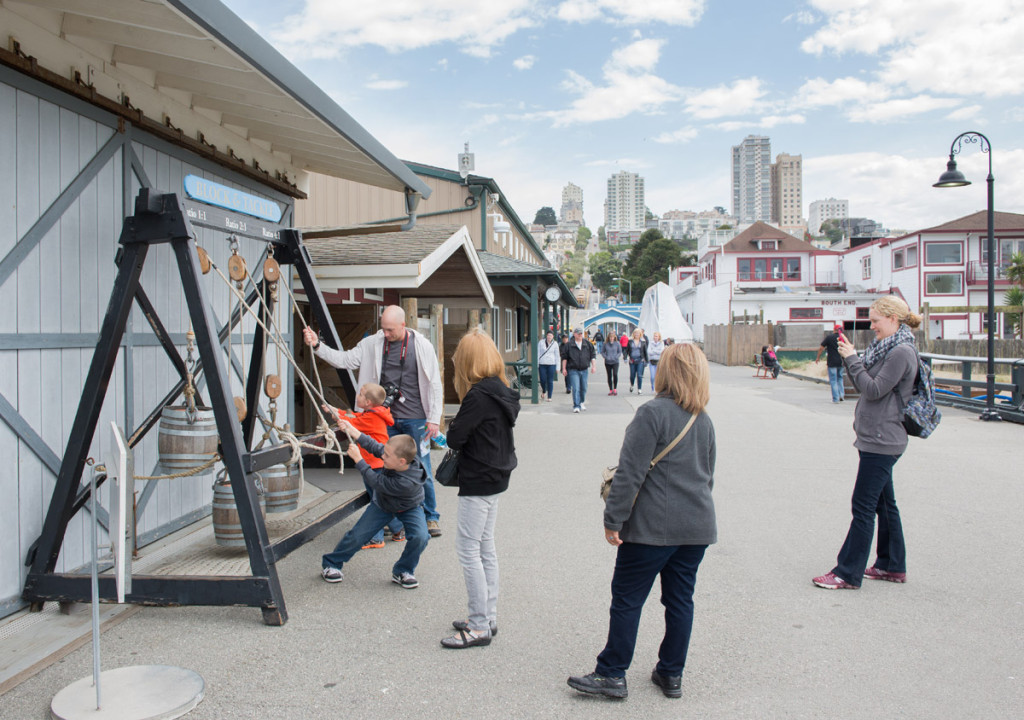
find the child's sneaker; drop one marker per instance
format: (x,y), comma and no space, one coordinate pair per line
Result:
(831,581)
(398,536)
(406,580)
(332,575)
(373,544)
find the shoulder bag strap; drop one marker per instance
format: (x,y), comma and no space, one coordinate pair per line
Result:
(675,442)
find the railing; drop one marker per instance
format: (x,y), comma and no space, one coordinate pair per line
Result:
(1009,407)
(977,273)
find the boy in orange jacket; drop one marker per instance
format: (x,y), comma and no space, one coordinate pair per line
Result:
(374,421)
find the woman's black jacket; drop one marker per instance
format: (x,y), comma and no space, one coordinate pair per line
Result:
(482,432)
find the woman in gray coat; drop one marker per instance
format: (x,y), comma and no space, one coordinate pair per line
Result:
(611,351)
(885,379)
(661,521)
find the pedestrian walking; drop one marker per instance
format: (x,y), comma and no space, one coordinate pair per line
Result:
(654,350)
(636,355)
(885,378)
(834,362)
(661,517)
(577,357)
(548,357)
(612,354)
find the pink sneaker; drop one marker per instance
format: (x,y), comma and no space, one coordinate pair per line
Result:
(873,573)
(831,581)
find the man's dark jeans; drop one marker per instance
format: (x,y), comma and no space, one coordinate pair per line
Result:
(636,567)
(873,495)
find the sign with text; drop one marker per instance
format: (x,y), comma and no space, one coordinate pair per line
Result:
(222,196)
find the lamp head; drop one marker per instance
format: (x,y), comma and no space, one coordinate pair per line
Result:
(952,177)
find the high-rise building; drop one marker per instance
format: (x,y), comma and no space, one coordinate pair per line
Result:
(624,207)
(752,179)
(822,210)
(572,205)
(787,193)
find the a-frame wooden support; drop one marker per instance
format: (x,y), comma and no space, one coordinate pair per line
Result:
(162,219)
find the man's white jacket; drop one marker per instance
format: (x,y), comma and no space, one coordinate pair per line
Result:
(367,356)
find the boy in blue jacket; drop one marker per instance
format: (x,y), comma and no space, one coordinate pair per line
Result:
(397,491)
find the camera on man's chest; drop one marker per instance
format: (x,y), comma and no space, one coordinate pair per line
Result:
(392,392)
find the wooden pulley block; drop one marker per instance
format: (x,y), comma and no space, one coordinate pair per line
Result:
(204,260)
(272,387)
(271,270)
(240,408)
(236,268)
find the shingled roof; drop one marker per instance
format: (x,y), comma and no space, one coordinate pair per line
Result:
(746,241)
(978,222)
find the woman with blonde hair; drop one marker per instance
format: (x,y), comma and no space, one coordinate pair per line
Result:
(885,379)
(661,519)
(482,433)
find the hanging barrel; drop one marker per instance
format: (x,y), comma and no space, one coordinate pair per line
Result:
(183,444)
(282,487)
(227,528)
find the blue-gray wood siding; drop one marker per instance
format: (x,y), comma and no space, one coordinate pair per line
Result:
(61,288)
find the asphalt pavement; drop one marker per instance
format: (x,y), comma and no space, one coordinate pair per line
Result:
(766,642)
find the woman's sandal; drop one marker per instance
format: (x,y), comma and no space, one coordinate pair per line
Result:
(463,625)
(465,639)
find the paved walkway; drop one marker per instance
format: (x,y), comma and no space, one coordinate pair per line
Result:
(766,643)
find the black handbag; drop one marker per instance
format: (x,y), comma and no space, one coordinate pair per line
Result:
(447,472)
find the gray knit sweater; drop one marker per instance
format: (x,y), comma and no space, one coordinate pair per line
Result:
(878,419)
(673,501)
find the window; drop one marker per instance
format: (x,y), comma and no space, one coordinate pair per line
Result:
(943,253)
(768,268)
(510,330)
(494,325)
(769,244)
(898,259)
(911,256)
(943,283)
(862,313)
(805,313)
(865,268)
(1007,249)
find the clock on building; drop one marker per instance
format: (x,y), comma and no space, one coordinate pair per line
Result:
(553,293)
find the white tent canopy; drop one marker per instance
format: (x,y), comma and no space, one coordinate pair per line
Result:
(660,313)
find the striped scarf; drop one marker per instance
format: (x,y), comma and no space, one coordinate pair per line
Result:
(878,349)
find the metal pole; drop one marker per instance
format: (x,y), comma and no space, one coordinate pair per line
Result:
(95,590)
(990,375)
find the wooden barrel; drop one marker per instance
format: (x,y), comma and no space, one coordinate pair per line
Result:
(282,486)
(183,444)
(227,528)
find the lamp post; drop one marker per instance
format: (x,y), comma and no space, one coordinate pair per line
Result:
(954,178)
(630,288)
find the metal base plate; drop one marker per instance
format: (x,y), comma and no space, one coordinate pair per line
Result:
(137,692)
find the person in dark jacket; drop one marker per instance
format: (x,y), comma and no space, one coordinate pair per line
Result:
(577,356)
(612,354)
(661,519)
(482,432)
(636,354)
(885,378)
(397,491)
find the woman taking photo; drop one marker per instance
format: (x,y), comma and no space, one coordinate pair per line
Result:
(887,369)
(482,433)
(661,519)
(548,357)
(612,353)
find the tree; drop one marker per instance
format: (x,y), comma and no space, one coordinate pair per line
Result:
(545,216)
(1015,297)
(601,237)
(583,233)
(650,264)
(603,270)
(1015,270)
(833,230)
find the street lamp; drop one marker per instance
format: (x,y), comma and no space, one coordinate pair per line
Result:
(954,178)
(630,288)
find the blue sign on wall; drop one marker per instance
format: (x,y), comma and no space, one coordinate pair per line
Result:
(222,196)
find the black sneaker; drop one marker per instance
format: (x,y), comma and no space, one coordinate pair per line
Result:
(671,685)
(594,684)
(406,580)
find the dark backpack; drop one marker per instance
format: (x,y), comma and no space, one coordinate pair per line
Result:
(920,415)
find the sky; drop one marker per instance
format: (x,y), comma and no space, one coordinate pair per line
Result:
(870,92)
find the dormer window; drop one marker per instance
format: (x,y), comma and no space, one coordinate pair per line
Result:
(769,244)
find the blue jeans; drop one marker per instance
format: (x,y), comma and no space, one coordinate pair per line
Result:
(418,430)
(835,381)
(636,566)
(578,383)
(636,374)
(373,520)
(547,379)
(654,371)
(873,495)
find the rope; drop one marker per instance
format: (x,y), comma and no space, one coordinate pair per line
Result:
(214,459)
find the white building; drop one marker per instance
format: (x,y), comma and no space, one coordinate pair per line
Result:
(678,224)
(822,210)
(751,179)
(625,207)
(572,205)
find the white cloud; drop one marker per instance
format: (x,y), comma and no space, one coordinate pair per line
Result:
(819,92)
(524,63)
(629,86)
(632,12)
(889,110)
(324,28)
(970,112)
(939,46)
(683,135)
(622,163)
(801,17)
(386,84)
(769,121)
(740,98)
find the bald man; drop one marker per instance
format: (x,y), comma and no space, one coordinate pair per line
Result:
(404,358)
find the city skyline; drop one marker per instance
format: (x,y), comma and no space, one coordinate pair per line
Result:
(870,95)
